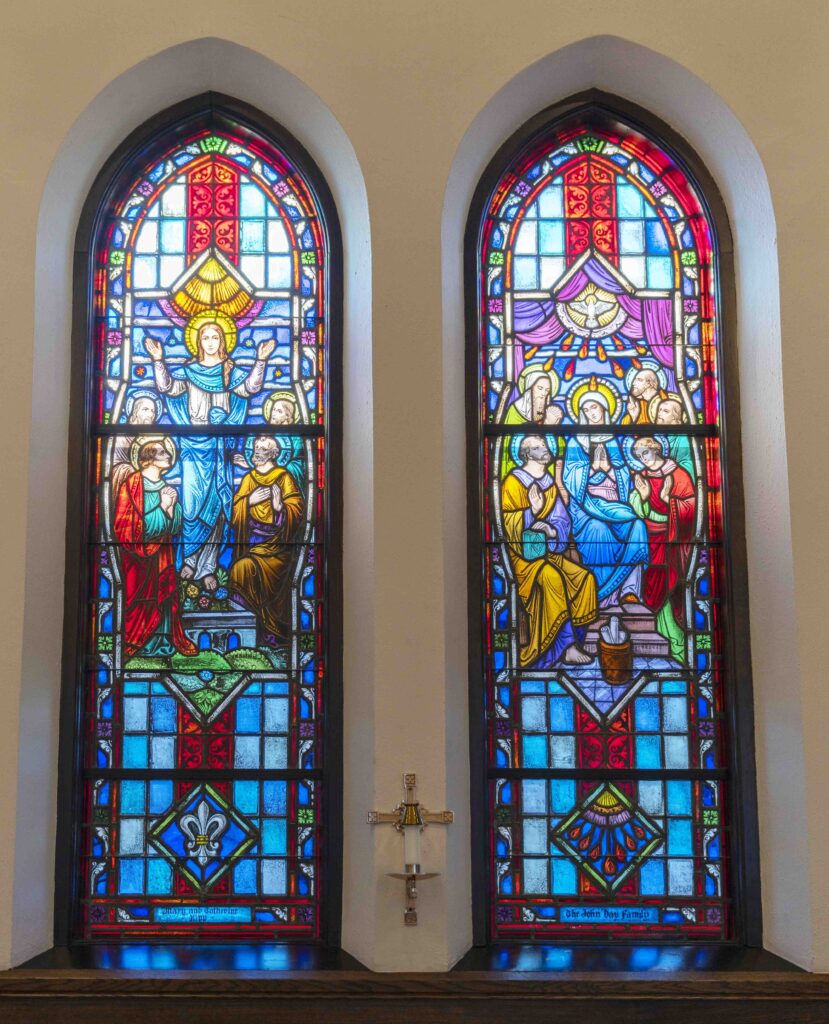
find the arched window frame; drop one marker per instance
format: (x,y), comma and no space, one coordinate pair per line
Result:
(148,141)
(737,693)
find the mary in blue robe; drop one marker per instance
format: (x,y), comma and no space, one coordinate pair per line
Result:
(611,539)
(211,395)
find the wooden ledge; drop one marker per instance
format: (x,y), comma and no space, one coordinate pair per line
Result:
(362,997)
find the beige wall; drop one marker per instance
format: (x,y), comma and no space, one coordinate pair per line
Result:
(402,105)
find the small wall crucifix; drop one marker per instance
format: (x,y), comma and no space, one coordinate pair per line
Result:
(410,818)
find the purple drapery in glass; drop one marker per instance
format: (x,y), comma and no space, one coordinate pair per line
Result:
(536,323)
(529,314)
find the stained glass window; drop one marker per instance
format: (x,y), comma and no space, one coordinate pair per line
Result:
(205,665)
(601,543)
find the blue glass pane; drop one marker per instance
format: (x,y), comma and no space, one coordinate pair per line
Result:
(130,877)
(132,797)
(534,796)
(535,751)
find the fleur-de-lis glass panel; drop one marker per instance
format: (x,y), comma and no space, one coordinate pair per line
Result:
(205,644)
(601,543)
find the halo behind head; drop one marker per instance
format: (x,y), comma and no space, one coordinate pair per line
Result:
(591,388)
(209,316)
(530,374)
(133,397)
(647,364)
(145,439)
(279,396)
(658,400)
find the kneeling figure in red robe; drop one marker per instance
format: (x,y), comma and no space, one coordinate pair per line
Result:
(665,497)
(147,516)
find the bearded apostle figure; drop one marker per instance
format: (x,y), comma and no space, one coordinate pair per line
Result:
(210,389)
(141,407)
(267,511)
(664,496)
(558,595)
(669,411)
(537,388)
(535,404)
(280,409)
(644,386)
(147,517)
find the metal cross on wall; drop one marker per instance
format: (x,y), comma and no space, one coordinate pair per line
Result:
(410,818)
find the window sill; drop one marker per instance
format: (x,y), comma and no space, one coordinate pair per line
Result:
(744,993)
(628,958)
(185,957)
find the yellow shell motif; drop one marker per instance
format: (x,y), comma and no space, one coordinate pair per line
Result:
(212,283)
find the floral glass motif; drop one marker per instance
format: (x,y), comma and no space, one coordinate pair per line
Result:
(602,543)
(205,634)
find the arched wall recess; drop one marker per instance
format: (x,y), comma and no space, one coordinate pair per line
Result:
(680,99)
(139,93)
(612,660)
(203,560)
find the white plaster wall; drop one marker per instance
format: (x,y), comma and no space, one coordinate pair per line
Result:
(402,107)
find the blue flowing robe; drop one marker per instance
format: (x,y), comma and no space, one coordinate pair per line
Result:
(611,539)
(206,470)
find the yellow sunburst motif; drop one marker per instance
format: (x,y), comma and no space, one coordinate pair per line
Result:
(212,282)
(593,307)
(606,803)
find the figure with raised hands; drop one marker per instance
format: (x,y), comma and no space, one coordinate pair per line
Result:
(210,389)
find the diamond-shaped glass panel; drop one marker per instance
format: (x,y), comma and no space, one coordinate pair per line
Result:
(202,836)
(607,837)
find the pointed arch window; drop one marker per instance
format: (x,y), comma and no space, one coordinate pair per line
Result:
(609,798)
(202,679)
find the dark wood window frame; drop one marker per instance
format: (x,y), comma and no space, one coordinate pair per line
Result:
(744,838)
(153,137)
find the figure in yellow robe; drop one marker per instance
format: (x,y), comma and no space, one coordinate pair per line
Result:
(558,595)
(267,510)
(644,388)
